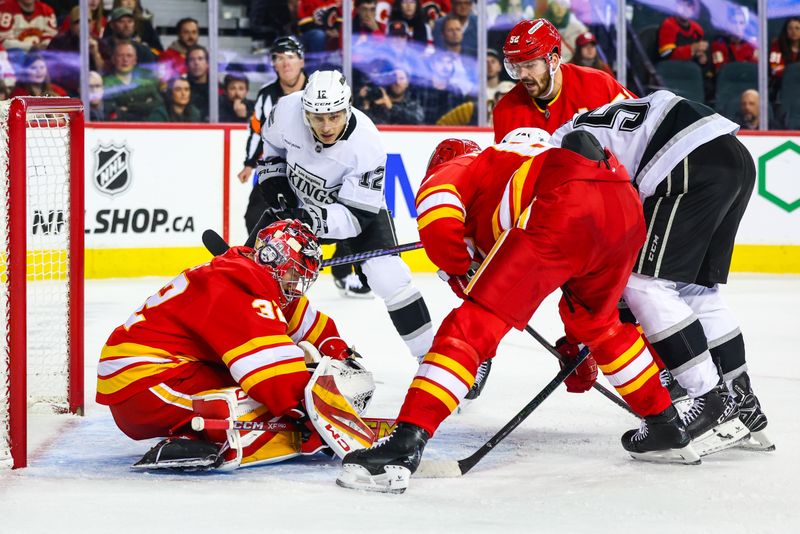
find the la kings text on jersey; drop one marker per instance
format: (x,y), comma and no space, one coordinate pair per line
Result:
(650,135)
(345,178)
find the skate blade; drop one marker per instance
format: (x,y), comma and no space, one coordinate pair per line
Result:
(685,455)
(351,295)
(193,464)
(758,441)
(393,480)
(721,437)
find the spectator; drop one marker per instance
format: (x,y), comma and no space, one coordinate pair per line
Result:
(130,93)
(25,25)
(462,10)
(504,14)
(97,108)
(7,75)
(66,69)
(586,54)
(4,92)
(172,62)
(400,50)
(441,95)
(197,74)
(785,49)
(503,88)
(748,114)
(410,13)
(394,104)
(567,24)
(34,80)
(432,10)
(494,67)
(682,39)
(366,27)
(143,23)
(453,41)
(233,103)
(122,28)
(318,23)
(97,20)
(177,104)
(734,47)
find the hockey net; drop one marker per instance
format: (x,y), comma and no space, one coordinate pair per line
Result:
(41,265)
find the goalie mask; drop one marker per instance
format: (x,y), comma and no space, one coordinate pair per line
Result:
(291,253)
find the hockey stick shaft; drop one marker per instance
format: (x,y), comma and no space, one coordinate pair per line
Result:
(469,462)
(216,245)
(598,387)
(383,427)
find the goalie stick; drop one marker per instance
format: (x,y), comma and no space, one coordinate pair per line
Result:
(604,391)
(382,427)
(217,246)
(456,468)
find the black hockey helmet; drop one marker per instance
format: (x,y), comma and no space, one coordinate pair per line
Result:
(287,43)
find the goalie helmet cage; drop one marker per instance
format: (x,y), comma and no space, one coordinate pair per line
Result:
(41,264)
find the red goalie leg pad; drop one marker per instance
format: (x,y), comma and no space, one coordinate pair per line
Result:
(469,335)
(626,362)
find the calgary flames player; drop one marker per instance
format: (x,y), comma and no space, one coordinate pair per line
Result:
(220,341)
(549,93)
(562,220)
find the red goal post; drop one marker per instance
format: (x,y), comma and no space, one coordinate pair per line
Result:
(41,264)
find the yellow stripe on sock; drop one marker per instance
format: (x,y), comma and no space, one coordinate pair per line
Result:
(436,391)
(639,382)
(626,356)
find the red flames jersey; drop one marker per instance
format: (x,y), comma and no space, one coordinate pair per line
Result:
(582,89)
(474,198)
(22,30)
(222,313)
(675,40)
(725,50)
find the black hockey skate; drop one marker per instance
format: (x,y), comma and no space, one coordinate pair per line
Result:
(386,466)
(713,422)
(751,415)
(661,438)
(181,454)
(352,286)
(480,380)
(676,392)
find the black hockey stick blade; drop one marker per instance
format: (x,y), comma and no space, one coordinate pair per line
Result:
(598,387)
(450,468)
(214,243)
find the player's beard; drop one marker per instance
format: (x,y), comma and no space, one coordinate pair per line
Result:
(538,87)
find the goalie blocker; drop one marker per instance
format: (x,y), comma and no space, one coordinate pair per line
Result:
(236,431)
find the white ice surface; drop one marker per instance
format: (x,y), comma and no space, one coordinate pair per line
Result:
(561,471)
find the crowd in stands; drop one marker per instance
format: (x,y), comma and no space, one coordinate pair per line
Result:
(414,61)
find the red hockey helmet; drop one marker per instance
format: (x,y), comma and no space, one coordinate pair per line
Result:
(529,40)
(291,253)
(449,149)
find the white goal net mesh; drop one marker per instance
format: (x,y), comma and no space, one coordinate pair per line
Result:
(47,221)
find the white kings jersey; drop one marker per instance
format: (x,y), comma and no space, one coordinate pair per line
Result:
(345,178)
(650,135)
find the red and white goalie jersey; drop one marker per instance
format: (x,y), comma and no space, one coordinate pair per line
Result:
(222,313)
(19,29)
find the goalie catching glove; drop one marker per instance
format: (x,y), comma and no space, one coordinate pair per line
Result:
(585,375)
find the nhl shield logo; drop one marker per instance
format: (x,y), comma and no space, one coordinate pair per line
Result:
(112,169)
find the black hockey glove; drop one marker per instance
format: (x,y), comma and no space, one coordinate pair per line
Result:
(274,184)
(313,216)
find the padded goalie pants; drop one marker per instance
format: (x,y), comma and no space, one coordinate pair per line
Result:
(584,238)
